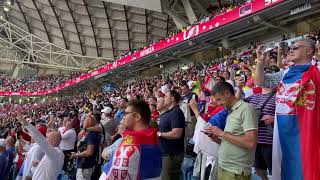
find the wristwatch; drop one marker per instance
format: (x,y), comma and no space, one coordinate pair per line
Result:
(159,134)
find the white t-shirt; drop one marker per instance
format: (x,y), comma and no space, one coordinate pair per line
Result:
(68,139)
(34,152)
(51,164)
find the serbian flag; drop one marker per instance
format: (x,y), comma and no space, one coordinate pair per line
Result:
(296,146)
(137,157)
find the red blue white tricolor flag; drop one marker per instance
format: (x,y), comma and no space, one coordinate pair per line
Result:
(296,146)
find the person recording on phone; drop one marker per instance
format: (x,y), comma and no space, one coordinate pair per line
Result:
(263,101)
(239,138)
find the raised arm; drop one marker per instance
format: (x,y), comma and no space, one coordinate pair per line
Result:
(279,58)
(50,151)
(259,72)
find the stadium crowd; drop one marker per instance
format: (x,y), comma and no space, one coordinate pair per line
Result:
(34,83)
(47,82)
(210,121)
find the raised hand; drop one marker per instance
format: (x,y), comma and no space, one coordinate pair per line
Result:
(261,56)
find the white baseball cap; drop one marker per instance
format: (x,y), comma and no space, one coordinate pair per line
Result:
(2,143)
(107,110)
(164,89)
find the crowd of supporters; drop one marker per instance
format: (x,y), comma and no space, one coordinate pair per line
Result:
(34,83)
(210,121)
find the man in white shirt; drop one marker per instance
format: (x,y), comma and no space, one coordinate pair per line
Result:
(68,137)
(34,153)
(51,164)
(68,141)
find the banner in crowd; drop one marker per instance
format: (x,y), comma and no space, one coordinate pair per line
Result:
(202,28)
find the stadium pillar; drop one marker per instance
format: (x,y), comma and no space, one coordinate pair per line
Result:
(16,70)
(189,11)
(226,43)
(200,8)
(177,20)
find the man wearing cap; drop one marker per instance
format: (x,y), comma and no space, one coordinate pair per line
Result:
(4,158)
(106,126)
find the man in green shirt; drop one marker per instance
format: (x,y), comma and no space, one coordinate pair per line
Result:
(239,138)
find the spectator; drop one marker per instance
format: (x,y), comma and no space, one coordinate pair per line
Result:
(106,126)
(146,164)
(68,141)
(4,158)
(238,139)
(294,115)
(226,75)
(51,164)
(11,149)
(171,134)
(187,95)
(33,154)
(120,112)
(109,151)
(265,103)
(88,149)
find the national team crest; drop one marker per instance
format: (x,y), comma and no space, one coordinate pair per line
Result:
(126,163)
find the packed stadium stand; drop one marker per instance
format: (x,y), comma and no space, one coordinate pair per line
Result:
(159,89)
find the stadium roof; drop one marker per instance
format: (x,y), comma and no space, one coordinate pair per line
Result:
(89,27)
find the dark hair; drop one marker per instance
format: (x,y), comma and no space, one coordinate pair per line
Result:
(272,69)
(176,96)
(221,78)
(183,83)
(221,87)
(227,73)
(97,117)
(141,107)
(125,99)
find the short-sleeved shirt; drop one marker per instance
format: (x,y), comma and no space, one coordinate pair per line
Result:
(93,138)
(242,117)
(169,120)
(257,100)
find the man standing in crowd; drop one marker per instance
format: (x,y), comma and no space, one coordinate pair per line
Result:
(88,148)
(11,149)
(239,138)
(32,150)
(4,158)
(171,133)
(120,112)
(138,156)
(187,95)
(265,102)
(296,136)
(51,164)
(68,140)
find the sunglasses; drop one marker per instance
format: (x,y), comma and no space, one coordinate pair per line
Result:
(294,48)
